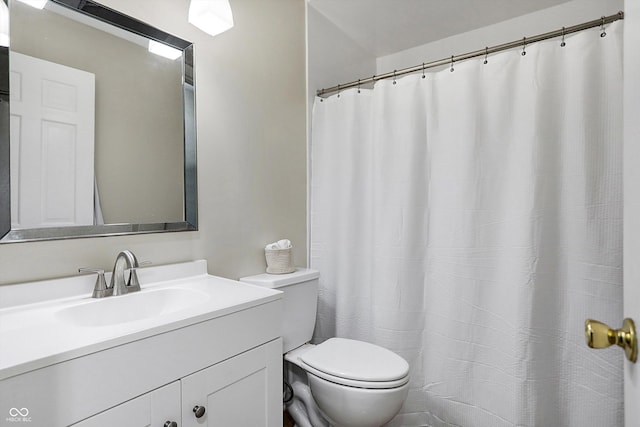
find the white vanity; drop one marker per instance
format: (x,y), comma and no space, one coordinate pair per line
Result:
(189,349)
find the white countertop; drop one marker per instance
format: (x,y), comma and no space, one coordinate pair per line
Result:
(34,334)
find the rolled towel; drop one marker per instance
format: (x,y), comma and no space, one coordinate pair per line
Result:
(280,244)
(284,244)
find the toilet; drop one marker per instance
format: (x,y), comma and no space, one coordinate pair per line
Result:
(340,382)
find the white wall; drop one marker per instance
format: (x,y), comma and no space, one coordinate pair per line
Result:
(251,97)
(553,18)
(333,56)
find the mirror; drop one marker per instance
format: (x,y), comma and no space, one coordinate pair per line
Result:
(102,130)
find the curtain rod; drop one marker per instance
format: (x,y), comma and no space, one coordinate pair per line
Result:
(482,52)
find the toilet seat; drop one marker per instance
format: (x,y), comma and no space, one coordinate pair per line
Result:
(354,383)
(355,364)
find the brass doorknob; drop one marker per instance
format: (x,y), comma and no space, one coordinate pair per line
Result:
(600,335)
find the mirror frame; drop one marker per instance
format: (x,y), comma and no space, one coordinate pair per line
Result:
(190,223)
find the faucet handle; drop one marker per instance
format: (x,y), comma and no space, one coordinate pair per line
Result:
(100,289)
(90,270)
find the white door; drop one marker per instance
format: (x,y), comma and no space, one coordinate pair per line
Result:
(52,143)
(632,199)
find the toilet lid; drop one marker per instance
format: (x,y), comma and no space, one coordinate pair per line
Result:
(356,360)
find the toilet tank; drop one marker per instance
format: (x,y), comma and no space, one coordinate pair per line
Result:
(300,301)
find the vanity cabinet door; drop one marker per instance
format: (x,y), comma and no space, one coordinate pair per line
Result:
(153,409)
(243,391)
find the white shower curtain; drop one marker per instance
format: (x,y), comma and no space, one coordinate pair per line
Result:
(471,221)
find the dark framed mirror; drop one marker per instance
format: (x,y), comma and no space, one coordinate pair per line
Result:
(97,125)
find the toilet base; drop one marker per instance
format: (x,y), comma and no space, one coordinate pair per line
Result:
(352,407)
(306,413)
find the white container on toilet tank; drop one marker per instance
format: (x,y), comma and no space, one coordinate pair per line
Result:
(299,300)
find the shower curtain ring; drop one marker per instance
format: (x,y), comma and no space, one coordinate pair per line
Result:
(603,33)
(486,54)
(423,76)
(338,91)
(394,76)
(451,64)
(358,85)
(524,46)
(563,44)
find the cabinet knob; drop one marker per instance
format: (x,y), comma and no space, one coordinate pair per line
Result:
(171,424)
(199,411)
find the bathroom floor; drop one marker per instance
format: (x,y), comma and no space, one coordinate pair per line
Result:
(287,420)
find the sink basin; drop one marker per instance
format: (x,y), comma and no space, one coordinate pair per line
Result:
(131,307)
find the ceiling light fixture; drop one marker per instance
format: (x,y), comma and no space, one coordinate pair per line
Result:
(164,50)
(211,16)
(38,4)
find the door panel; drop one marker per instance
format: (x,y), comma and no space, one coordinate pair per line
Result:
(52,144)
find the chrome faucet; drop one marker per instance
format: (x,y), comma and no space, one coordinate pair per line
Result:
(118,284)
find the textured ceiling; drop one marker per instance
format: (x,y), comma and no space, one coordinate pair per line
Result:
(387,26)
